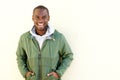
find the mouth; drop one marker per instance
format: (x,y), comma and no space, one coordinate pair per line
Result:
(40,25)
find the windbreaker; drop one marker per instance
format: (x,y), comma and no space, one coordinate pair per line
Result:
(55,55)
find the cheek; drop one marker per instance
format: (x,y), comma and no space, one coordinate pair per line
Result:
(46,20)
(34,20)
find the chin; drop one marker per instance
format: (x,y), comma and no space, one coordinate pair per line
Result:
(40,29)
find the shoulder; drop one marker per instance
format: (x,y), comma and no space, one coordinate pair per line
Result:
(58,34)
(25,35)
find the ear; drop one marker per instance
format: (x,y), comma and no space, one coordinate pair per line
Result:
(32,17)
(48,18)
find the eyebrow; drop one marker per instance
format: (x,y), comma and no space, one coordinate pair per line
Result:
(42,15)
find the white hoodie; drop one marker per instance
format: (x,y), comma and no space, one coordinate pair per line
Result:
(41,39)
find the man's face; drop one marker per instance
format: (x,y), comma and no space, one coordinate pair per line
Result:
(40,18)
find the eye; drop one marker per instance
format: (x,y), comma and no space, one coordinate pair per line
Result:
(36,17)
(44,17)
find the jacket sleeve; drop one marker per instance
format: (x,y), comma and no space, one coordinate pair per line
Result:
(21,58)
(66,55)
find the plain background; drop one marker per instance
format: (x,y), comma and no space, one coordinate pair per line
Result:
(92,28)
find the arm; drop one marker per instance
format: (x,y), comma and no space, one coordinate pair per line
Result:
(21,59)
(66,55)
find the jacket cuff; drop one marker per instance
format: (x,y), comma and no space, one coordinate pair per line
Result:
(24,73)
(59,73)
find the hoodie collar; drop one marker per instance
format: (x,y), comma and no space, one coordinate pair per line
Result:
(49,32)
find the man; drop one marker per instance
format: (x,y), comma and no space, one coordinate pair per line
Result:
(43,53)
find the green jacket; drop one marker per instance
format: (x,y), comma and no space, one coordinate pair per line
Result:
(55,55)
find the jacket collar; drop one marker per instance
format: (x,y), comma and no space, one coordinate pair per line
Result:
(49,34)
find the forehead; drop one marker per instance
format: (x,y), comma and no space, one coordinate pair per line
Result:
(40,12)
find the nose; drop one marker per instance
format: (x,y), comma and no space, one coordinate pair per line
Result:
(40,20)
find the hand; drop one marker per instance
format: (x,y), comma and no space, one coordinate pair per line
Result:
(29,73)
(54,74)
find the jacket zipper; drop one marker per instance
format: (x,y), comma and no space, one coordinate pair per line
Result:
(39,55)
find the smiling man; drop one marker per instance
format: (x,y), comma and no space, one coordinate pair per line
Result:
(41,18)
(43,53)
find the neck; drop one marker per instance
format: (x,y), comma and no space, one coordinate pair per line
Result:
(41,32)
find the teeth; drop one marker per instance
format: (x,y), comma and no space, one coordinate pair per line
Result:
(40,24)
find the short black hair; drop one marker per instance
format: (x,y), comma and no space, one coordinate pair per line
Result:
(41,7)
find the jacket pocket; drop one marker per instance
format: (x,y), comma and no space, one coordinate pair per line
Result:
(50,78)
(30,77)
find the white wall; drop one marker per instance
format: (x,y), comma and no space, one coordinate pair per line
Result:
(92,27)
